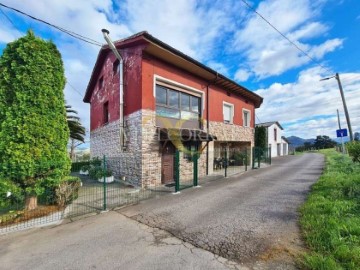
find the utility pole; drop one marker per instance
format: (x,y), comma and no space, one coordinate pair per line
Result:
(342,140)
(337,77)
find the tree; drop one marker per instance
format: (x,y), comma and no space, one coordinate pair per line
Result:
(260,137)
(357,136)
(323,142)
(77,131)
(33,127)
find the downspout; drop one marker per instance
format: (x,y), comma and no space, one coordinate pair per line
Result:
(208,121)
(121,82)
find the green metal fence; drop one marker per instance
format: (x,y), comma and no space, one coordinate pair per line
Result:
(261,157)
(92,187)
(230,161)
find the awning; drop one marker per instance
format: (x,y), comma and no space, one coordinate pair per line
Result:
(193,135)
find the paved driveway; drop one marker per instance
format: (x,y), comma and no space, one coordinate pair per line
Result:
(250,219)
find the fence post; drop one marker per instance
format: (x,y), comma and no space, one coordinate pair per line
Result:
(177,172)
(246,159)
(195,160)
(269,156)
(225,165)
(104,182)
(253,157)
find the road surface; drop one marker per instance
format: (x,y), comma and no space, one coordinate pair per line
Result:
(242,222)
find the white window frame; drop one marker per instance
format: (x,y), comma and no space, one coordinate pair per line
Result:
(180,86)
(232,109)
(249,117)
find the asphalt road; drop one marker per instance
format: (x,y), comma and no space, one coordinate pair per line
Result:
(250,219)
(243,222)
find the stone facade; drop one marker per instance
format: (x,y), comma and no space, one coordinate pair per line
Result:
(140,161)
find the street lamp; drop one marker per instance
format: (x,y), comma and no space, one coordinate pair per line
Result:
(336,76)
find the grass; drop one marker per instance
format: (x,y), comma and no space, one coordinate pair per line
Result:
(330,218)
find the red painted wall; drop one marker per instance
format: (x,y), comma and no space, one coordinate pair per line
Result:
(138,89)
(111,89)
(152,66)
(108,93)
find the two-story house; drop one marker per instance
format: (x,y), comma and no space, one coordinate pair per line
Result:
(168,101)
(278,144)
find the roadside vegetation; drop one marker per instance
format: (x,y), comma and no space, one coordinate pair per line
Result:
(330,218)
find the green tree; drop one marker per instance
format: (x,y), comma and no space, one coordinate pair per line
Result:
(33,126)
(77,130)
(260,137)
(323,142)
(353,149)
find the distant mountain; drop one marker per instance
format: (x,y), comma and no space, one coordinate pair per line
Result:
(297,141)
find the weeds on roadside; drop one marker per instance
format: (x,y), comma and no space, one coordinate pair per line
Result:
(330,218)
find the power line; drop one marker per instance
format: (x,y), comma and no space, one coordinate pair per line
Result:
(6,16)
(70,33)
(284,36)
(72,87)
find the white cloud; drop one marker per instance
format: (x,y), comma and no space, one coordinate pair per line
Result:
(219,67)
(190,27)
(308,106)
(267,52)
(242,75)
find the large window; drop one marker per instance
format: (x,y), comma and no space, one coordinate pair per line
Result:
(228,112)
(246,118)
(175,104)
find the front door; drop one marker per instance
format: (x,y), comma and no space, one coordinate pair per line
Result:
(167,164)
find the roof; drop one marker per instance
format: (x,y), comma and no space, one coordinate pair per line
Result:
(165,52)
(268,124)
(285,139)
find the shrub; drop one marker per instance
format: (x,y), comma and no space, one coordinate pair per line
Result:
(63,193)
(34,131)
(10,194)
(68,190)
(97,172)
(353,149)
(76,166)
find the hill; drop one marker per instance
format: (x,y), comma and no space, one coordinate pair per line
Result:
(297,141)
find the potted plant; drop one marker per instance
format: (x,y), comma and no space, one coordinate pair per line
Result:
(109,177)
(98,173)
(85,170)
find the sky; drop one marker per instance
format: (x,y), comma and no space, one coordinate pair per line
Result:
(227,36)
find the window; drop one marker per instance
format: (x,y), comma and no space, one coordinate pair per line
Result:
(275,134)
(228,112)
(116,67)
(106,112)
(246,118)
(176,104)
(101,82)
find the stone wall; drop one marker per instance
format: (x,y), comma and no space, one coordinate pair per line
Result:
(140,162)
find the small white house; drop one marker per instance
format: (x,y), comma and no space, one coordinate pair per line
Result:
(278,144)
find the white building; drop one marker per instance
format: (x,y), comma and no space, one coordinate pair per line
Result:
(275,140)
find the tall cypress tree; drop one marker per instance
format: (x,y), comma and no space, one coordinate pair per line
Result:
(33,126)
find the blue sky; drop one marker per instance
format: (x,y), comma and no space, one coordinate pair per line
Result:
(230,38)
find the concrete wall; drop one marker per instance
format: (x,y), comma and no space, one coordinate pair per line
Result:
(275,142)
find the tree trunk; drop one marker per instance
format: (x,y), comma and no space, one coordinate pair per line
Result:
(31,203)
(72,149)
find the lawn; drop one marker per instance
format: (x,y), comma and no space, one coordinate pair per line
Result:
(330,218)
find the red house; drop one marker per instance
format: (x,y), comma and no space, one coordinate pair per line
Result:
(169,101)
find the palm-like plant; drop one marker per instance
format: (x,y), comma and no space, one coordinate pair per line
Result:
(77,131)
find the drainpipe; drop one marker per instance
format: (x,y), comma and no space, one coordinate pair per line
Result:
(207,120)
(121,71)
